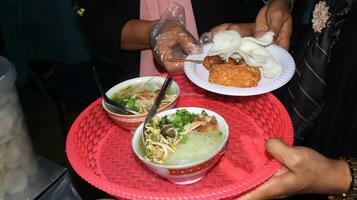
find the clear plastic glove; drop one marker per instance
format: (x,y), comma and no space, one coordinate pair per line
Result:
(170,40)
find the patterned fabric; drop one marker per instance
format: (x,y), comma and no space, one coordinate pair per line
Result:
(307,89)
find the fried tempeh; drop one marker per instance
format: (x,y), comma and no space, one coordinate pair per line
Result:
(212,60)
(240,75)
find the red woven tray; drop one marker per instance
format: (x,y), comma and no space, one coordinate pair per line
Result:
(100,152)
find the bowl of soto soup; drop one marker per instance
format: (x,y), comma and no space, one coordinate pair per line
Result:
(138,95)
(182,144)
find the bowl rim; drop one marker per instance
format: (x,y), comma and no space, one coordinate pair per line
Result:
(222,123)
(138,80)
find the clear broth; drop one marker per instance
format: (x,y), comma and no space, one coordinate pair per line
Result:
(199,146)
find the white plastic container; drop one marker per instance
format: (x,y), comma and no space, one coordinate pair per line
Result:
(16,155)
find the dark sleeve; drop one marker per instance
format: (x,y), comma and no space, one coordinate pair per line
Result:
(336,133)
(104,20)
(211,13)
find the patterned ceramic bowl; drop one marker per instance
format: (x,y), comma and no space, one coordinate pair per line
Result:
(187,173)
(131,122)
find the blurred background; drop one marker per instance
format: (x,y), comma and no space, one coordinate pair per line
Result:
(46,42)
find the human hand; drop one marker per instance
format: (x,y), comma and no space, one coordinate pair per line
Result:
(275,17)
(173,43)
(304,171)
(244,29)
(170,40)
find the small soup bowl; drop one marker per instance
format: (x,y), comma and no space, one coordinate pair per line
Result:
(191,172)
(131,122)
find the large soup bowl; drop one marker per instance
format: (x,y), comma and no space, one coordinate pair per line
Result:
(131,122)
(185,173)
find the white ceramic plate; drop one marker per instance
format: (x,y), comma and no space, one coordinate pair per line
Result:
(198,74)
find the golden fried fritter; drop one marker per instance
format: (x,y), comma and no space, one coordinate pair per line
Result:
(240,75)
(208,61)
(231,61)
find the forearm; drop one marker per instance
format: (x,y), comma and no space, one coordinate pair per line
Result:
(135,34)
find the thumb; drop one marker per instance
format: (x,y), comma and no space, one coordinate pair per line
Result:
(275,26)
(221,27)
(189,44)
(279,150)
(244,29)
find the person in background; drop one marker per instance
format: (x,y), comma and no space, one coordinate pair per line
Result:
(142,40)
(321,102)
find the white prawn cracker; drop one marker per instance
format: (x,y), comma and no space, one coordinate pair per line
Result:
(230,44)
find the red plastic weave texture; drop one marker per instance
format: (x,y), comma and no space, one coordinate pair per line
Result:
(100,152)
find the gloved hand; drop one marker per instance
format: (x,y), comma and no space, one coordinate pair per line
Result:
(170,41)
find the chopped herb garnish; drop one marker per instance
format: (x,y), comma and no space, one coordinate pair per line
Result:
(184,138)
(121,101)
(131,104)
(181,118)
(204,112)
(164,120)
